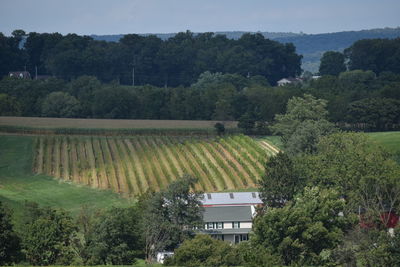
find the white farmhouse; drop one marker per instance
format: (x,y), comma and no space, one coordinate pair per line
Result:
(229,216)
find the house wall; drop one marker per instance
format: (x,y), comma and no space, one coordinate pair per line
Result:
(245,225)
(229,238)
(227,225)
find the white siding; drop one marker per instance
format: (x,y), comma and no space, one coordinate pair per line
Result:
(227,225)
(245,224)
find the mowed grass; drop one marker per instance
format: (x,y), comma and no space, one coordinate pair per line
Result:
(18,184)
(389,140)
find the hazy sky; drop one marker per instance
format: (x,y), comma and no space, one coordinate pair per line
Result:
(163,16)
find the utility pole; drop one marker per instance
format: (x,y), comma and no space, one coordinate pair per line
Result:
(133,76)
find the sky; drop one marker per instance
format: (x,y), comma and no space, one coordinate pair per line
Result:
(100,17)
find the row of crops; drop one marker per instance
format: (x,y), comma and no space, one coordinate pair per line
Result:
(132,165)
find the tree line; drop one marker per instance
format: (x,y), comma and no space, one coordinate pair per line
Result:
(142,60)
(358,99)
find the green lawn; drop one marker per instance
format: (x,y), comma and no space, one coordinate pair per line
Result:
(18,183)
(389,140)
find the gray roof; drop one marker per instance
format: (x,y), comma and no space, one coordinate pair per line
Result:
(227,231)
(227,214)
(234,198)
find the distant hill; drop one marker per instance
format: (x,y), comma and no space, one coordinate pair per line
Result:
(311,46)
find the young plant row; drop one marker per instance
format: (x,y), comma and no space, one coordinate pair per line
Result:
(133,165)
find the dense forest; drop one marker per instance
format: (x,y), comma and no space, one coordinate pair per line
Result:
(206,79)
(310,46)
(142,60)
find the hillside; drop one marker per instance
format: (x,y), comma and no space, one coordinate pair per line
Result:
(18,183)
(133,164)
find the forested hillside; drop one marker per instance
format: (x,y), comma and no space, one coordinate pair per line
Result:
(310,46)
(143,60)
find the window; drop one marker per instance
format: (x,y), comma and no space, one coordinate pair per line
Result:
(253,195)
(235,225)
(208,196)
(231,195)
(245,237)
(215,225)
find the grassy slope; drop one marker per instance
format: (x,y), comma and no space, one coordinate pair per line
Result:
(17,183)
(389,140)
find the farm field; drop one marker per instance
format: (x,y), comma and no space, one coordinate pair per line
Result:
(39,122)
(131,165)
(18,184)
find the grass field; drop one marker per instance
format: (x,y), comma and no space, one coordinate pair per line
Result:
(132,165)
(389,140)
(18,183)
(36,122)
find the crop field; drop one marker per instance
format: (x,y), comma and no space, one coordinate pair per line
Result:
(133,164)
(107,124)
(18,184)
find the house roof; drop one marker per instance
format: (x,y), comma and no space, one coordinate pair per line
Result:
(227,231)
(228,214)
(19,74)
(231,199)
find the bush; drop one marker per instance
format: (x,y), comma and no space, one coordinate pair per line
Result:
(204,251)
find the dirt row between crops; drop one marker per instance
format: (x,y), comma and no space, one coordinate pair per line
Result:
(270,147)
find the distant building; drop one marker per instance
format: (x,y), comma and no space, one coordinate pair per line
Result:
(20,74)
(286,81)
(229,216)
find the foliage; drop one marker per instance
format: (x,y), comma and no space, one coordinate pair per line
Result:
(303,124)
(9,106)
(220,128)
(115,238)
(370,247)
(48,237)
(378,55)
(362,172)
(60,104)
(332,63)
(9,240)
(247,122)
(280,182)
(205,251)
(170,215)
(377,113)
(305,230)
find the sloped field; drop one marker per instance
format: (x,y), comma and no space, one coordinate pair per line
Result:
(132,165)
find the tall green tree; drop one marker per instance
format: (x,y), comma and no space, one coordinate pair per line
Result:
(332,63)
(9,240)
(360,171)
(48,236)
(170,216)
(303,124)
(61,105)
(306,230)
(281,181)
(115,238)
